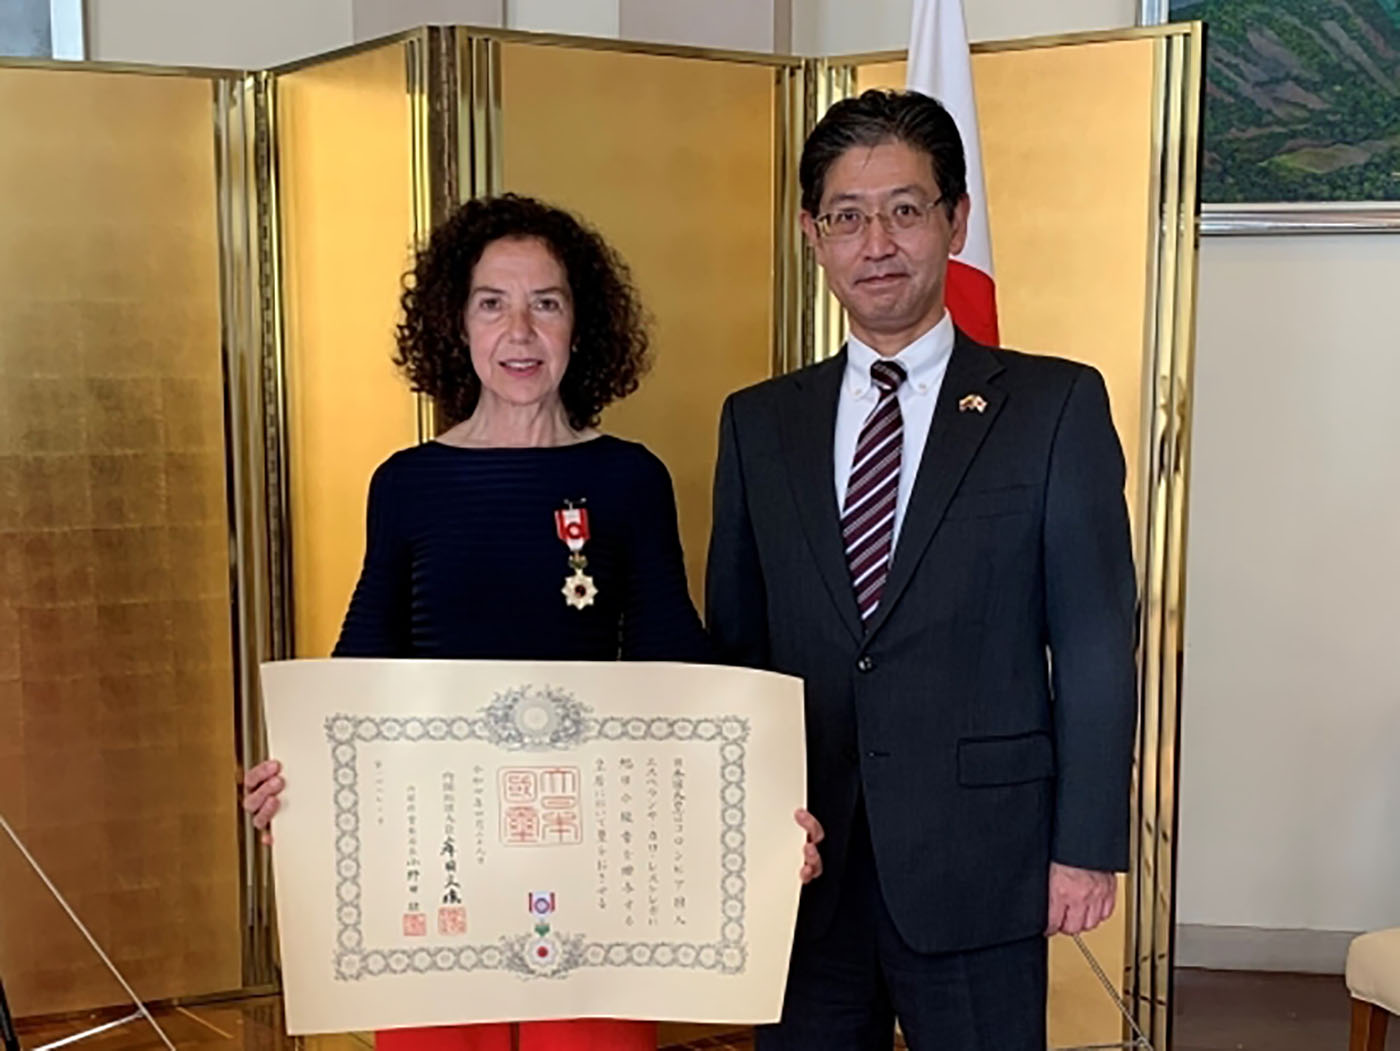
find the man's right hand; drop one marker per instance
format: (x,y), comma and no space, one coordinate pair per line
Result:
(1080,899)
(261,787)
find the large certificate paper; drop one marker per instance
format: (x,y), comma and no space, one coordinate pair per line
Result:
(469,841)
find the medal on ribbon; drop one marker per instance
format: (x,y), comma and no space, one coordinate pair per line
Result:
(572,525)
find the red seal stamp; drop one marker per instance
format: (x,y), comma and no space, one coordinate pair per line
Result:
(452,919)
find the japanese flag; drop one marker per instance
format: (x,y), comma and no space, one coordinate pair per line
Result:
(940,65)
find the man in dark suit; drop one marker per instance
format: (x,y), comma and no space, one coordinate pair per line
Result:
(933,535)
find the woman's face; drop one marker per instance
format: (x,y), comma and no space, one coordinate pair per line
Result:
(519,321)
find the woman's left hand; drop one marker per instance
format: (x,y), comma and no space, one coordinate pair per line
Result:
(811,857)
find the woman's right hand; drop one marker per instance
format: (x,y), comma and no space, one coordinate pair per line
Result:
(261,787)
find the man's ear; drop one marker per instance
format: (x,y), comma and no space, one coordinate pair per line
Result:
(958,238)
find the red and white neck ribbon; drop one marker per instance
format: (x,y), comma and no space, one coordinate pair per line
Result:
(572,524)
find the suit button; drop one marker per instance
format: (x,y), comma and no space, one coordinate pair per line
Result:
(865,664)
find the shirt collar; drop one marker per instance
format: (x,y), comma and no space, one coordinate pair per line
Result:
(923,360)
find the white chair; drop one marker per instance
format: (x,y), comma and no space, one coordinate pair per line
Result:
(1373,976)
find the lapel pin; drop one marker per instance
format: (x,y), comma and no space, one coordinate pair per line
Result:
(972,403)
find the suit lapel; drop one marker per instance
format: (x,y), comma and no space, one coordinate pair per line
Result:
(953,441)
(809,428)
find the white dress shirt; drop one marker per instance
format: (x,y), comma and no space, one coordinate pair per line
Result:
(925,361)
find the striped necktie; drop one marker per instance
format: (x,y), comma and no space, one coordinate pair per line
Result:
(867,520)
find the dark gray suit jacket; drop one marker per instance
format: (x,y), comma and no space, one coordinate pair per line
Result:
(986,715)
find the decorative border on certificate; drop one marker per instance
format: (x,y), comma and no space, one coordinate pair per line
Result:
(530,719)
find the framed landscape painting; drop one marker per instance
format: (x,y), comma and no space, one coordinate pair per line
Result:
(1302,109)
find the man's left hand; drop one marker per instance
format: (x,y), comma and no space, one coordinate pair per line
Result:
(1080,899)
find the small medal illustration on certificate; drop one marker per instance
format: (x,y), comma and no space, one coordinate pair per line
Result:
(572,525)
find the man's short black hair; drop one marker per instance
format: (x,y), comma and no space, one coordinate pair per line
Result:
(878,116)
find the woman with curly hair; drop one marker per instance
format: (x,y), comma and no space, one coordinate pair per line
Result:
(521,533)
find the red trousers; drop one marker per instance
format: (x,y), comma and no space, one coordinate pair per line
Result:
(592,1034)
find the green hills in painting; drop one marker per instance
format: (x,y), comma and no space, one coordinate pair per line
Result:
(1302,99)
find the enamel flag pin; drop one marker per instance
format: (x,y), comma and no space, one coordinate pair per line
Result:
(572,525)
(972,403)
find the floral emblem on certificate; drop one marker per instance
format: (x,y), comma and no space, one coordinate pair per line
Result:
(542,953)
(543,956)
(534,719)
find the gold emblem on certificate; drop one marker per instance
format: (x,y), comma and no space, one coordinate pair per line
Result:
(572,525)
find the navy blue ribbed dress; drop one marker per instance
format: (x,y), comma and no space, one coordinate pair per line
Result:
(463,560)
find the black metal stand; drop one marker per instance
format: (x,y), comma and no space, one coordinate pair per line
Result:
(7,1023)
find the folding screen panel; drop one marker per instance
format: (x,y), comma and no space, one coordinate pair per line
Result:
(344,193)
(116,658)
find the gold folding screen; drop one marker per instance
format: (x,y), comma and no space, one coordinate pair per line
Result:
(330,172)
(116,658)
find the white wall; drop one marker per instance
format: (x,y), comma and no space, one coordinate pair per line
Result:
(251,34)
(845,27)
(256,34)
(581,17)
(740,25)
(260,33)
(1290,754)
(376,18)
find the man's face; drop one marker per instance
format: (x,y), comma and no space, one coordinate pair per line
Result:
(890,273)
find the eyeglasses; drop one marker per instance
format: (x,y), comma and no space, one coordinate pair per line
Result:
(846,223)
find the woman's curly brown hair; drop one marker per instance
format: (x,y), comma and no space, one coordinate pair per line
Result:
(610,338)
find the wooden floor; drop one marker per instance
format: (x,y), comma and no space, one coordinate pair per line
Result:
(1246,1011)
(1215,1011)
